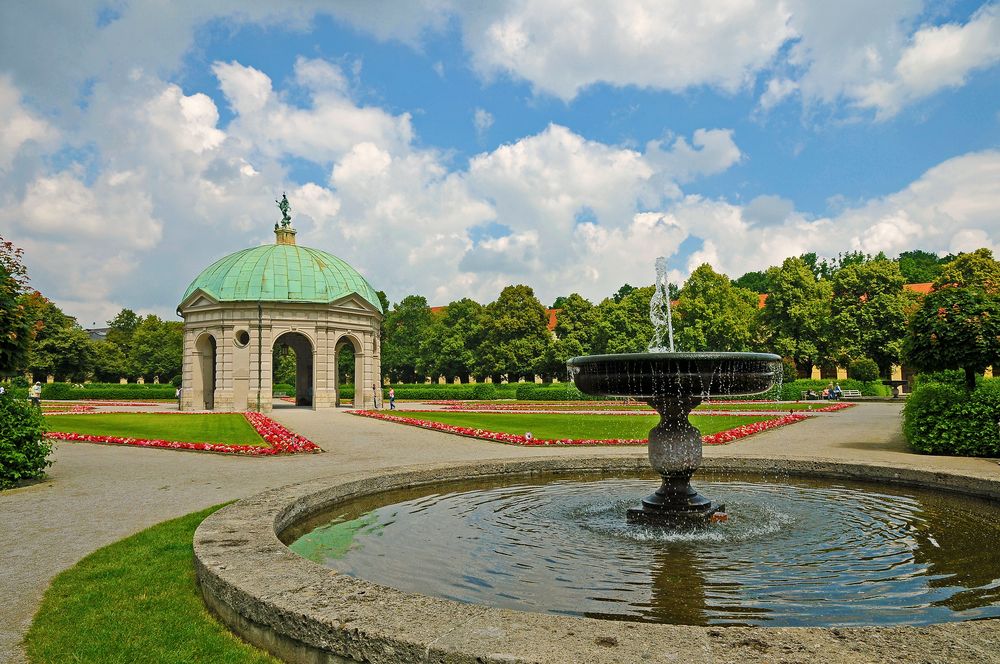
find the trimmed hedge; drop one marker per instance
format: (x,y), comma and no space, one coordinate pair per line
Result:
(438,391)
(24,450)
(793,391)
(106,392)
(941,418)
(552,392)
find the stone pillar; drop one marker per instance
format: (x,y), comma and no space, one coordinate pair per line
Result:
(224,368)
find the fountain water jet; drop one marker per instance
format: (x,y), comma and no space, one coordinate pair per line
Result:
(674,383)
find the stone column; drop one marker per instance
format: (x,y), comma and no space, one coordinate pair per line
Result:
(224,368)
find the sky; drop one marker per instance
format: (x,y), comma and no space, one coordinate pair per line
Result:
(450,148)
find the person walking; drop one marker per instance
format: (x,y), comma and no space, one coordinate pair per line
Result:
(36,395)
(392,399)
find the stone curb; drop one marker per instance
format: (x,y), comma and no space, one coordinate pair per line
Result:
(303,612)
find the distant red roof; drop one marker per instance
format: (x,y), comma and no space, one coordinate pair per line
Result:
(923,289)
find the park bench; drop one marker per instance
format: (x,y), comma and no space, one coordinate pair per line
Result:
(851,394)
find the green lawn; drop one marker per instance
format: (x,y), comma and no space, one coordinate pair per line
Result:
(228,429)
(560,426)
(135,601)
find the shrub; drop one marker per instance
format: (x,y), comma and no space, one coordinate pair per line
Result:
(24,449)
(942,418)
(281,389)
(484,391)
(788,371)
(793,391)
(863,369)
(552,392)
(107,391)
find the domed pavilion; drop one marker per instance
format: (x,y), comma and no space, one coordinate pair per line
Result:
(243,306)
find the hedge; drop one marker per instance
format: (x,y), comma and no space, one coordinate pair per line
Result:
(552,392)
(793,391)
(438,391)
(106,392)
(940,418)
(24,450)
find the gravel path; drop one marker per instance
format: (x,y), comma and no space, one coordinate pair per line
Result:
(97,494)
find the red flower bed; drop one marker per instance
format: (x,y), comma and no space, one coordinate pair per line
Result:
(280,439)
(720,438)
(833,407)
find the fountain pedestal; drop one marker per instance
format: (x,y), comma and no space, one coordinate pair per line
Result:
(674,453)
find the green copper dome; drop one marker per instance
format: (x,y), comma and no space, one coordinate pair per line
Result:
(284,273)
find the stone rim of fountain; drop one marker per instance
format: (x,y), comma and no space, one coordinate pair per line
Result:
(302,611)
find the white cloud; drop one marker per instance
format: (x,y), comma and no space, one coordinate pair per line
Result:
(937,57)
(777,90)
(482,120)
(18,125)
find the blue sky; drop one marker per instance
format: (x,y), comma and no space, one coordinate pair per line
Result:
(449,150)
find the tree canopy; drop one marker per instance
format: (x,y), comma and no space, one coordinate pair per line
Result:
(712,314)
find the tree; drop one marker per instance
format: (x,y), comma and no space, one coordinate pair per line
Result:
(958,324)
(870,311)
(624,326)
(109,362)
(622,292)
(15,323)
(754,281)
(711,314)
(516,335)
(575,329)
(449,349)
(66,353)
(406,326)
(122,327)
(919,267)
(796,315)
(283,365)
(157,349)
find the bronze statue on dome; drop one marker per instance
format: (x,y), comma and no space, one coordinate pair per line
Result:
(286,219)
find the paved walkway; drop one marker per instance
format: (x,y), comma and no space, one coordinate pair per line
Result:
(96,494)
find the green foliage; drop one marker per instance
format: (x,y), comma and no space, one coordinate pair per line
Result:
(516,336)
(793,391)
(623,325)
(484,391)
(870,310)
(157,348)
(24,450)
(977,270)
(440,391)
(107,392)
(863,369)
(756,282)
(108,360)
(121,328)
(955,328)
(712,314)
(177,381)
(796,316)
(556,392)
(15,323)
(788,371)
(450,346)
(941,418)
(406,327)
(283,365)
(574,330)
(284,389)
(622,293)
(919,267)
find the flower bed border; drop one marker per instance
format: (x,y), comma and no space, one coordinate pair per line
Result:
(720,438)
(279,438)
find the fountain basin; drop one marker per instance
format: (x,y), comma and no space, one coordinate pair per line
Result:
(655,376)
(302,611)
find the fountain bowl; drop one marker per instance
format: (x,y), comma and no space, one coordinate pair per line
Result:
(659,375)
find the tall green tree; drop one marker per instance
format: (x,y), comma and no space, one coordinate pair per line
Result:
(65,352)
(796,315)
(516,335)
(623,326)
(870,312)
(406,326)
(754,281)
(157,349)
(712,314)
(122,327)
(958,323)
(109,362)
(919,267)
(453,341)
(15,322)
(574,332)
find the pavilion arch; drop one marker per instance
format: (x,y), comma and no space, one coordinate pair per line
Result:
(362,390)
(202,388)
(305,364)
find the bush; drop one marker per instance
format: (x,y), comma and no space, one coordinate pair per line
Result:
(484,391)
(788,371)
(281,389)
(955,377)
(107,392)
(552,392)
(23,446)
(942,418)
(793,391)
(863,369)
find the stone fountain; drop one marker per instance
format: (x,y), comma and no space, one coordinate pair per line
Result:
(674,383)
